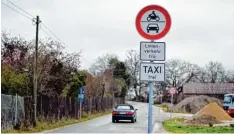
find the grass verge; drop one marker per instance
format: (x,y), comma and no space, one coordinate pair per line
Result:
(43,125)
(176,125)
(165,108)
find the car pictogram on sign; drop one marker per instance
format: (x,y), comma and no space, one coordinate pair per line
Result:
(152,27)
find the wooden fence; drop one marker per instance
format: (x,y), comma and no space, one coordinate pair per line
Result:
(51,109)
(67,107)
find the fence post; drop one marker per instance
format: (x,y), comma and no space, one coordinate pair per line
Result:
(65,107)
(90,106)
(16,108)
(75,102)
(70,107)
(41,107)
(59,108)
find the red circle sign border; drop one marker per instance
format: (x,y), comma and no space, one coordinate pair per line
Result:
(165,30)
(171,90)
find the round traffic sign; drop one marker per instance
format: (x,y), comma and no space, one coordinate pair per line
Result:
(153,22)
(172,90)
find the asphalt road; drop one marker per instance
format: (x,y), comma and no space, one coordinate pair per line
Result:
(104,124)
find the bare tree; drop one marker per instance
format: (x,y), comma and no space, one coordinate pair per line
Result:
(230,76)
(176,71)
(215,72)
(102,64)
(94,85)
(133,66)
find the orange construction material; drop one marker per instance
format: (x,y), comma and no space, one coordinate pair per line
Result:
(213,109)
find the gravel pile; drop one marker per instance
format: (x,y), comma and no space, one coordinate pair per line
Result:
(214,110)
(194,104)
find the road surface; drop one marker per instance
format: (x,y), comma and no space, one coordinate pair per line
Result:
(104,124)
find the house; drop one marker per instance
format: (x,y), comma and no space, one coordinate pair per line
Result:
(216,90)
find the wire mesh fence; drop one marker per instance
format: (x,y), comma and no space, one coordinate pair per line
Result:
(51,109)
(12,110)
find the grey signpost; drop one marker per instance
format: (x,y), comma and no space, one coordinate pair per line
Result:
(80,99)
(172,91)
(152,22)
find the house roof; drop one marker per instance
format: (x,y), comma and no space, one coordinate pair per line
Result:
(208,88)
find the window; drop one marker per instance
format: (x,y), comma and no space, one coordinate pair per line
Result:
(125,107)
(227,99)
(232,99)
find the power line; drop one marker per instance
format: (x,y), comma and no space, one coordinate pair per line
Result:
(16,11)
(21,9)
(32,20)
(44,31)
(53,34)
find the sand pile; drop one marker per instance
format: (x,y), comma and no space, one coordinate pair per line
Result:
(194,104)
(203,120)
(213,109)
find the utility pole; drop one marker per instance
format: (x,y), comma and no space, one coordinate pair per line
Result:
(113,94)
(35,75)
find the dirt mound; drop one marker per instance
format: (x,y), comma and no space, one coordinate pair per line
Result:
(214,110)
(203,120)
(194,104)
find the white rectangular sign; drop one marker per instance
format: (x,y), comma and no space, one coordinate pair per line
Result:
(153,51)
(152,72)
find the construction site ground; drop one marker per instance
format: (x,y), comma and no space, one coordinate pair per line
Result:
(176,124)
(205,113)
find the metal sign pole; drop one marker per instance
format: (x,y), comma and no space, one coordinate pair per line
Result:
(171,102)
(80,108)
(80,98)
(150,107)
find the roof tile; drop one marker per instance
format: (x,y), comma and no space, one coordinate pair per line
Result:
(208,88)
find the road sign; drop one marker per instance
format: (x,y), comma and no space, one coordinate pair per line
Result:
(152,72)
(80,94)
(81,90)
(153,51)
(153,22)
(172,90)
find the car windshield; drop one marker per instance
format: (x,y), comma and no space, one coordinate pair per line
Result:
(153,25)
(124,107)
(227,99)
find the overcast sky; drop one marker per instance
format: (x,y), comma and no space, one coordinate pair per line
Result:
(201,31)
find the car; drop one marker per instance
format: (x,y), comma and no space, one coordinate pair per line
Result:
(124,112)
(152,27)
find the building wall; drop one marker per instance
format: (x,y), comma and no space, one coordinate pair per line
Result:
(218,96)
